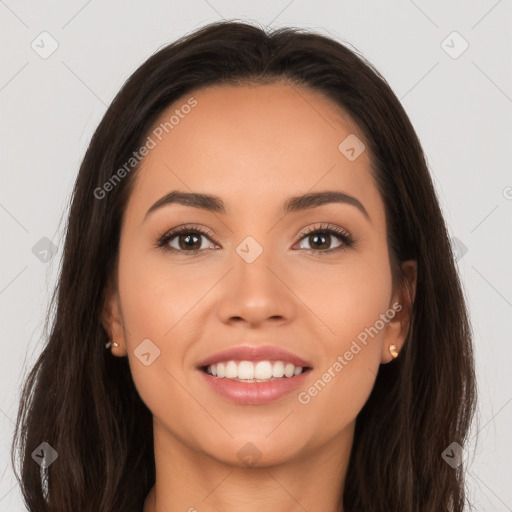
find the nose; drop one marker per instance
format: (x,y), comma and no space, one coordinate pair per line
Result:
(257,292)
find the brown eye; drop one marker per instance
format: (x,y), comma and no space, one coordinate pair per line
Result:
(186,240)
(321,240)
(189,241)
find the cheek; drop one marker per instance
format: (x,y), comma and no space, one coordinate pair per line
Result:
(159,300)
(350,303)
(157,294)
(348,296)
(154,310)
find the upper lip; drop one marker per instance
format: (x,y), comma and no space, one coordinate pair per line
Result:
(251,353)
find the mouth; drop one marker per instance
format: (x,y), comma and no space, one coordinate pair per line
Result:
(254,372)
(237,389)
(254,375)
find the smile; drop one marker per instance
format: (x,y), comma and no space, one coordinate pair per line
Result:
(254,371)
(240,384)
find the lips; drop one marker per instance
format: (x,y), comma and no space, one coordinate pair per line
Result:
(251,353)
(255,393)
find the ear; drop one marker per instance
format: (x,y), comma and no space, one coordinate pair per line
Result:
(112,321)
(401,304)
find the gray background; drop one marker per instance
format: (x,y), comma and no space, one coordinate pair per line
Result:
(460,107)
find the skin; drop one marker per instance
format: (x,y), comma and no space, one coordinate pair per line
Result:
(254,147)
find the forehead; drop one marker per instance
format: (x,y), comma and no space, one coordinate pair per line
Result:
(252,145)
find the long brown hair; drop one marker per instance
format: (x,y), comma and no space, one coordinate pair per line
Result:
(83,402)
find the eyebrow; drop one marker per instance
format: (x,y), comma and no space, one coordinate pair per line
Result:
(215,204)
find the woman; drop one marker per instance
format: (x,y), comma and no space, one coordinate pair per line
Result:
(255,238)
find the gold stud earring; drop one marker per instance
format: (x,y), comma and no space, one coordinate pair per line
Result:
(393,351)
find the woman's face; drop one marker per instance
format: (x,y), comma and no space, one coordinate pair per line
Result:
(255,279)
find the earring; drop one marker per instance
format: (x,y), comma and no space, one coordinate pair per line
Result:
(110,344)
(393,351)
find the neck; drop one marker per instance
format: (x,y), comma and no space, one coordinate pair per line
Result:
(191,480)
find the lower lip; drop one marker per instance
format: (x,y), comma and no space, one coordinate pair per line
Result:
(255,393)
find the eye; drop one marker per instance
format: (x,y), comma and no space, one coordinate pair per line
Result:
(320,238)
(184,239)
(190,240)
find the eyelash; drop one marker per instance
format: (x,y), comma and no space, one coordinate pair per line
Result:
(345,237)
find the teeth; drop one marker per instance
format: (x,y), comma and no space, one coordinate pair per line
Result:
(231,370)
(261,371)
